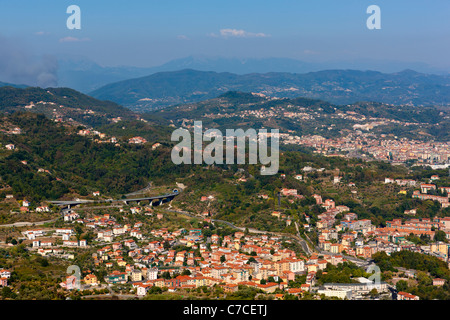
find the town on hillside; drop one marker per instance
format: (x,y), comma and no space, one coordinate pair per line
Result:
(139,250)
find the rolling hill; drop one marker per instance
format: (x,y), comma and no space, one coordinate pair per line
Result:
(62,103)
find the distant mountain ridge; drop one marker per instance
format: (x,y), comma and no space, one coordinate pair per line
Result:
(85,75)
(280,64)
(6,84)
(336,86)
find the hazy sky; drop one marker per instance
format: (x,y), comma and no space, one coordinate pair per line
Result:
(148,33)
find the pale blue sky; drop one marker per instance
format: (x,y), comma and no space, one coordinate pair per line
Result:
(148,33)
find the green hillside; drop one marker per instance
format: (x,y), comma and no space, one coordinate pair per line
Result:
(79,165)
(61,103)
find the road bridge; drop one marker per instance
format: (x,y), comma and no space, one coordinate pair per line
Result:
(159,199)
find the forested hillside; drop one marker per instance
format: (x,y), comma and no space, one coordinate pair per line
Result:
(62,103)
(76,166)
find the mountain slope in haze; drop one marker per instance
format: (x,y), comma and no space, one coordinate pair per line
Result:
(337,86)
(85,75)
(278,64)
(6,84)
(238,65)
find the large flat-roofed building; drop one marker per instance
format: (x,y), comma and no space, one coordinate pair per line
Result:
(341,294)
(357,288)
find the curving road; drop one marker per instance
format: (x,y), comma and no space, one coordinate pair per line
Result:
(147,188)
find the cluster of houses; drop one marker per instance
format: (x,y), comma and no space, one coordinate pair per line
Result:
(137,140)
(45,241)
(25,206)
(401,182)
(232,261)
(423,194)
(358,237)
(428,191)
(104,139)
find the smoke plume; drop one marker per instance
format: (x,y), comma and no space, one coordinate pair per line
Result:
(19,66)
